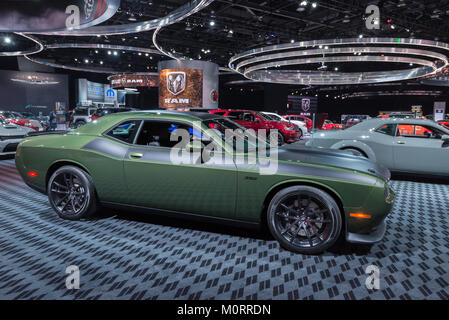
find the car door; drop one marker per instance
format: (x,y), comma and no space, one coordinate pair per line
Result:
(155,180)
(419,148)
(382,141)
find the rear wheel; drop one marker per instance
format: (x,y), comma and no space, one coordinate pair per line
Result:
(79,124)
(71,193)
(304,219)
(357,152)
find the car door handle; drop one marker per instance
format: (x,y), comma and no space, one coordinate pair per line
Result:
(136,155)
(401,142)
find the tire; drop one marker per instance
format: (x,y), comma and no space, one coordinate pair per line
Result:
(356,152)
(80,124)
(304,219)
(301,133)
(71,193)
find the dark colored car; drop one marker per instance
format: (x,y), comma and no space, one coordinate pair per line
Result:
(286,131)
(105,111)
(125,160)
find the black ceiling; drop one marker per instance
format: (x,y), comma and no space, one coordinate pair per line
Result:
(240,25)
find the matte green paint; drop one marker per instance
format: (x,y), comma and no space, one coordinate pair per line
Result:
(234,192)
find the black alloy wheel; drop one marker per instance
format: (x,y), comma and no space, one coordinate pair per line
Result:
(71,193)
(304,219)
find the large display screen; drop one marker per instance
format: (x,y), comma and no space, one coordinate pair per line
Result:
(50,15)
(137,80)
(181,88)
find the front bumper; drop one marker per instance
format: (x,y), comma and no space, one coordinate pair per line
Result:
(9,147)
(375,236)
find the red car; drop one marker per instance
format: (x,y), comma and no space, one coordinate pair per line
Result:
(444,123)
(329,125)
(16,118)
(287,132)
(305,120)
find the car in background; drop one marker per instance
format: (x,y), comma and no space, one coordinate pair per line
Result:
(34,120)
(125,160)
(101,112)
(444,123)
(10,136)
(81,116)
(300,120)
(276,117)
(402,145)
(351,120)
(17,118)
(286,132)
(329,125)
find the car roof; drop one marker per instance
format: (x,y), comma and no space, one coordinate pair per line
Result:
(375,122)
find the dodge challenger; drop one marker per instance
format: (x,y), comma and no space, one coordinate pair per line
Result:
(125,161)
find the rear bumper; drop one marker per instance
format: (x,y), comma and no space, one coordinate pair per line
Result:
(375,236)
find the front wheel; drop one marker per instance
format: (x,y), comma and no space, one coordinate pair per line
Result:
(71,193)
(304,219)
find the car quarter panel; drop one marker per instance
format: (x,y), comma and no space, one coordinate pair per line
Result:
(39,154)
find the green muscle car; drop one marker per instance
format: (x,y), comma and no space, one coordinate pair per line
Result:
(126,160)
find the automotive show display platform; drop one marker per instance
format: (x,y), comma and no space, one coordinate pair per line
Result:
(133,256)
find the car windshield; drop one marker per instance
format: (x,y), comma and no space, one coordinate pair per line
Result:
(10,115)
(264,116)
(274,117)
(241,140)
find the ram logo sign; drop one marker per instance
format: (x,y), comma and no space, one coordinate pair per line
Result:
(176,82)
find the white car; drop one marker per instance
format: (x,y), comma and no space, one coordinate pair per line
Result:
(402,145)
(276,117)
(10,136)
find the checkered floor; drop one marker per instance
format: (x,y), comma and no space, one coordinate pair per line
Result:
(130,256)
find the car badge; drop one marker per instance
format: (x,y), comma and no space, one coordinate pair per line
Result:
(176,82)
(305,105)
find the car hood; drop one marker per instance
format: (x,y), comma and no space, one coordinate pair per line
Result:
(12,130)
(334,158)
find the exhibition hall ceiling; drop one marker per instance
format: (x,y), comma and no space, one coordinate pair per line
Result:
(218,30)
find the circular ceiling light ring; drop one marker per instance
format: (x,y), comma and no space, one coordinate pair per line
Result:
(89,46)
(177,15)
(341,42)
(352,51)
(391,50)
(341,59)
(39,47)
(305,78)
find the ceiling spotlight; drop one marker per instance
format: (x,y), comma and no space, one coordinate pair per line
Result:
(303,3)
(101,62)
(212,23)
(7,40)
(115,53)
(336,69)
(361,36)
(292,41)
(86,61)
(109,52)
(314,5)
(96,51)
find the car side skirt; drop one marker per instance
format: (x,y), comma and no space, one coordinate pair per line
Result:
(182,215)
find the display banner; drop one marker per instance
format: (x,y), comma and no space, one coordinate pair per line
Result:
(181,88)
(53,15)
(131,80)
(306,106)
(439,110)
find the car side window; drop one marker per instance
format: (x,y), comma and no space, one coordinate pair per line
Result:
(388,129)
(235,116)
(417,131)
(248,117)
(126,131)
(158,133)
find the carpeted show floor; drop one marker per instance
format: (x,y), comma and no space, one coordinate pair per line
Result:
(133,256)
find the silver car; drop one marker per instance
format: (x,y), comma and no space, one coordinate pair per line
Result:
(10,136)
(401,145)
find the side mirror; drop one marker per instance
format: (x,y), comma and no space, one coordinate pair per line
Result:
(445,140)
